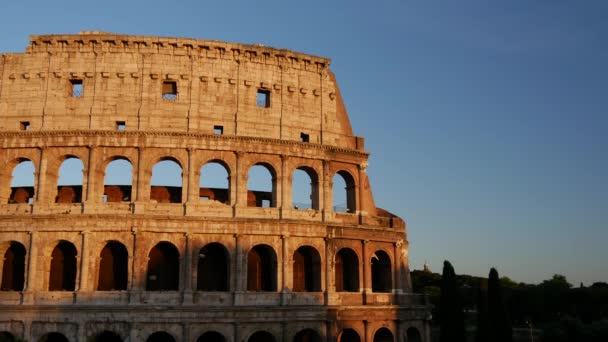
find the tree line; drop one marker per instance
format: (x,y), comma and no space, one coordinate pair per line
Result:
(490,307)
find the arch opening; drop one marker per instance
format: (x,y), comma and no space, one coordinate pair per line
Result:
(383,335)
(261,186)
(261,269)
(166,183)
(211,336)
(307,335)
(344,192)
(69,184)
(22,182)
(215,182)
(349,335)
(13,268)
(382,279)
(113,267)
(160,336)
(413,335)
(163,268)
(118,181)
(261,336)
(62,276)
(6,336)
(305,189)
(213,268)
(347,271)
(306,270)
(107,336)
(53,337)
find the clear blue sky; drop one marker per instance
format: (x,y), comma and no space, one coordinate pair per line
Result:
(486,120)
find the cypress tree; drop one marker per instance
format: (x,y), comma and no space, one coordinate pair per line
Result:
(481,334)
(499,323)
(451,316)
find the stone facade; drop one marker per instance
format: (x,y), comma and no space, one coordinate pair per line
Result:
(143,262)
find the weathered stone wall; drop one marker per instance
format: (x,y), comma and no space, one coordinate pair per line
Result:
(43,122)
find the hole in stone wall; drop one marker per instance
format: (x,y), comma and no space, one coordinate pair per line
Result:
(349,335)
(382,279)
(163,268)
(347,271)
(121,125)
(261,269)
(62,276)
(169,90)
(307,335)
(344,193)
(304,137)
(166,183)
(219,130)
(76,88)
(306,270)
(211,336)
(13,268)
(261,336)
(213,268)
(305,189)
(215,182)
(22,183)
(261,186)
(69,184)
(383,335)
(24,125)
(118,181)
(263,98)
(160,336)
(113,267)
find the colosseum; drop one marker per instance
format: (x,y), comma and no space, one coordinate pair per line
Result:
(113,229)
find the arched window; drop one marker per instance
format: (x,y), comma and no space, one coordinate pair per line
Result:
(163,268)
(107,336)
(261,186)
(6,336)
(69,184)
(22,183)
(261,336)
(213,268)
(53,337)
(349,335)
(13,269)
(215,182)
(413,335)
(211,336)
(382,278)
(306,270)
(305,189)
(160,336)
(63,267)
(261,269)
(347,271)
(383,335)
(166,183)
(307,335)
(113,267)
(344,193)
(118,181)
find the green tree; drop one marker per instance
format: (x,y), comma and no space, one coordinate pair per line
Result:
(451,316)
(499,323)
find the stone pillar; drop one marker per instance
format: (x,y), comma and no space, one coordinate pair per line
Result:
(367,270)
(135,287)
(326,182)
(286,187)
(239,274)
(82,280)
(187,271)
(190,183)
(29,287)
(396,267)
(330,285)
(91,178)
(241,181)
(42,189)
(284,269)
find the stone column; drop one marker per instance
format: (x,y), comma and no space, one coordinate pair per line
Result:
(29,287)
(91,178)
(241,182)
(396,267)
(286,187)
(326,183)
(42,189)
(187,271)
(82,280)
(135,287)
(239,275)
(367,270)
(330,285)
(285,266)
(140,182)
(191,194)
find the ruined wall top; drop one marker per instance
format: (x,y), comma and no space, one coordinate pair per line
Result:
(103,81)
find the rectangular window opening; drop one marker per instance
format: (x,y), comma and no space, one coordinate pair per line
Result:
(204,198)
(263,98)
(265,203)
(121,125)
(24,125)
(77,88)
(304,137)
(219,130)
(169,90)
(105,199)
(30,200)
